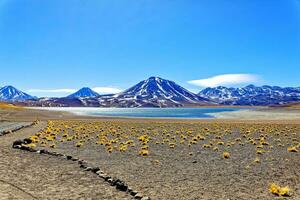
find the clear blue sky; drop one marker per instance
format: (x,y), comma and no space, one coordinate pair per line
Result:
(68,44)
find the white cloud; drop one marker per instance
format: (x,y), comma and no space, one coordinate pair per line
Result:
(52,90)
(225,80)
(106,90)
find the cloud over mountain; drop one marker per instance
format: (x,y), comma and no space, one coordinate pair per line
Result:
(225,80)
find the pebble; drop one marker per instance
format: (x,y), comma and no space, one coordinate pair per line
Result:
(88,169)
(74,159)
(95,169)
(133,192)
(138,196)
(17,143)
(69,157)
(110,180)
(120,185)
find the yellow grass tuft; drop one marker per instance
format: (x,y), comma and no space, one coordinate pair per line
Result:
(292,149)
(144,152)
(226,154)
(279,191)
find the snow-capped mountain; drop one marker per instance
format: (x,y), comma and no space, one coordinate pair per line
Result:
(157,92)
(10,93)
(252,95)
(153,92)
(84,92)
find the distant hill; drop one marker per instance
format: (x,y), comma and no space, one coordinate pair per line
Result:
(252,95)
(84,92)
(10,94)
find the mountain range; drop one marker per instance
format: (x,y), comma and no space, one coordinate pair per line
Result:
(252,95)
(158,92)
(153,92)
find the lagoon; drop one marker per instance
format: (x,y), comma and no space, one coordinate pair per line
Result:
(198,113)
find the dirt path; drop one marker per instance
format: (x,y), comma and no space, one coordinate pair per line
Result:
(26,175)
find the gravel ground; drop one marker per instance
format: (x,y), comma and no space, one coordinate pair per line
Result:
(26,175)
(165,174)
(168,174)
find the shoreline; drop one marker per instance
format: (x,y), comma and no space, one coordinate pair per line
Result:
(268,114)
(78,111)
(271,116)
(244,114)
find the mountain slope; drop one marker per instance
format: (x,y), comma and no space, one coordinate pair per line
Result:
(252,95)
(156,92)
(84,92)
(10,93)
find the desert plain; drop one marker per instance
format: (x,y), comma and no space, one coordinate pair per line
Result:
(226,158)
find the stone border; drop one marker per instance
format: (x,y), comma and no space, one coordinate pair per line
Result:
(4,132)
(115,182)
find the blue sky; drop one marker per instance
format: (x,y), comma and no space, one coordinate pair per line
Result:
(52,47)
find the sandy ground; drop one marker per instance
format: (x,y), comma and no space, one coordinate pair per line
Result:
(29,176)
(176,175)
(260,114)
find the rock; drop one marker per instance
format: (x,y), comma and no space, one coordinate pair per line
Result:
(129,190)
(82,162)
(27,141)
(110,180)
(83,166)
(95,169)
(17,146)
(145,198)
(88,169)
(17,143)
(25,148)
(103,176)
(133,192)
(43,151)
(69,158)
(120,185)
(138,196)
(100,172)
(194,161)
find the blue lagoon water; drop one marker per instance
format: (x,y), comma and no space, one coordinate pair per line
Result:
(146,112)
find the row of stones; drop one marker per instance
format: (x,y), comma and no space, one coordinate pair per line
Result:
(4,132)
(117,183)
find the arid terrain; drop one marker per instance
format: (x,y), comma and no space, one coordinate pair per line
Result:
(162,159)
